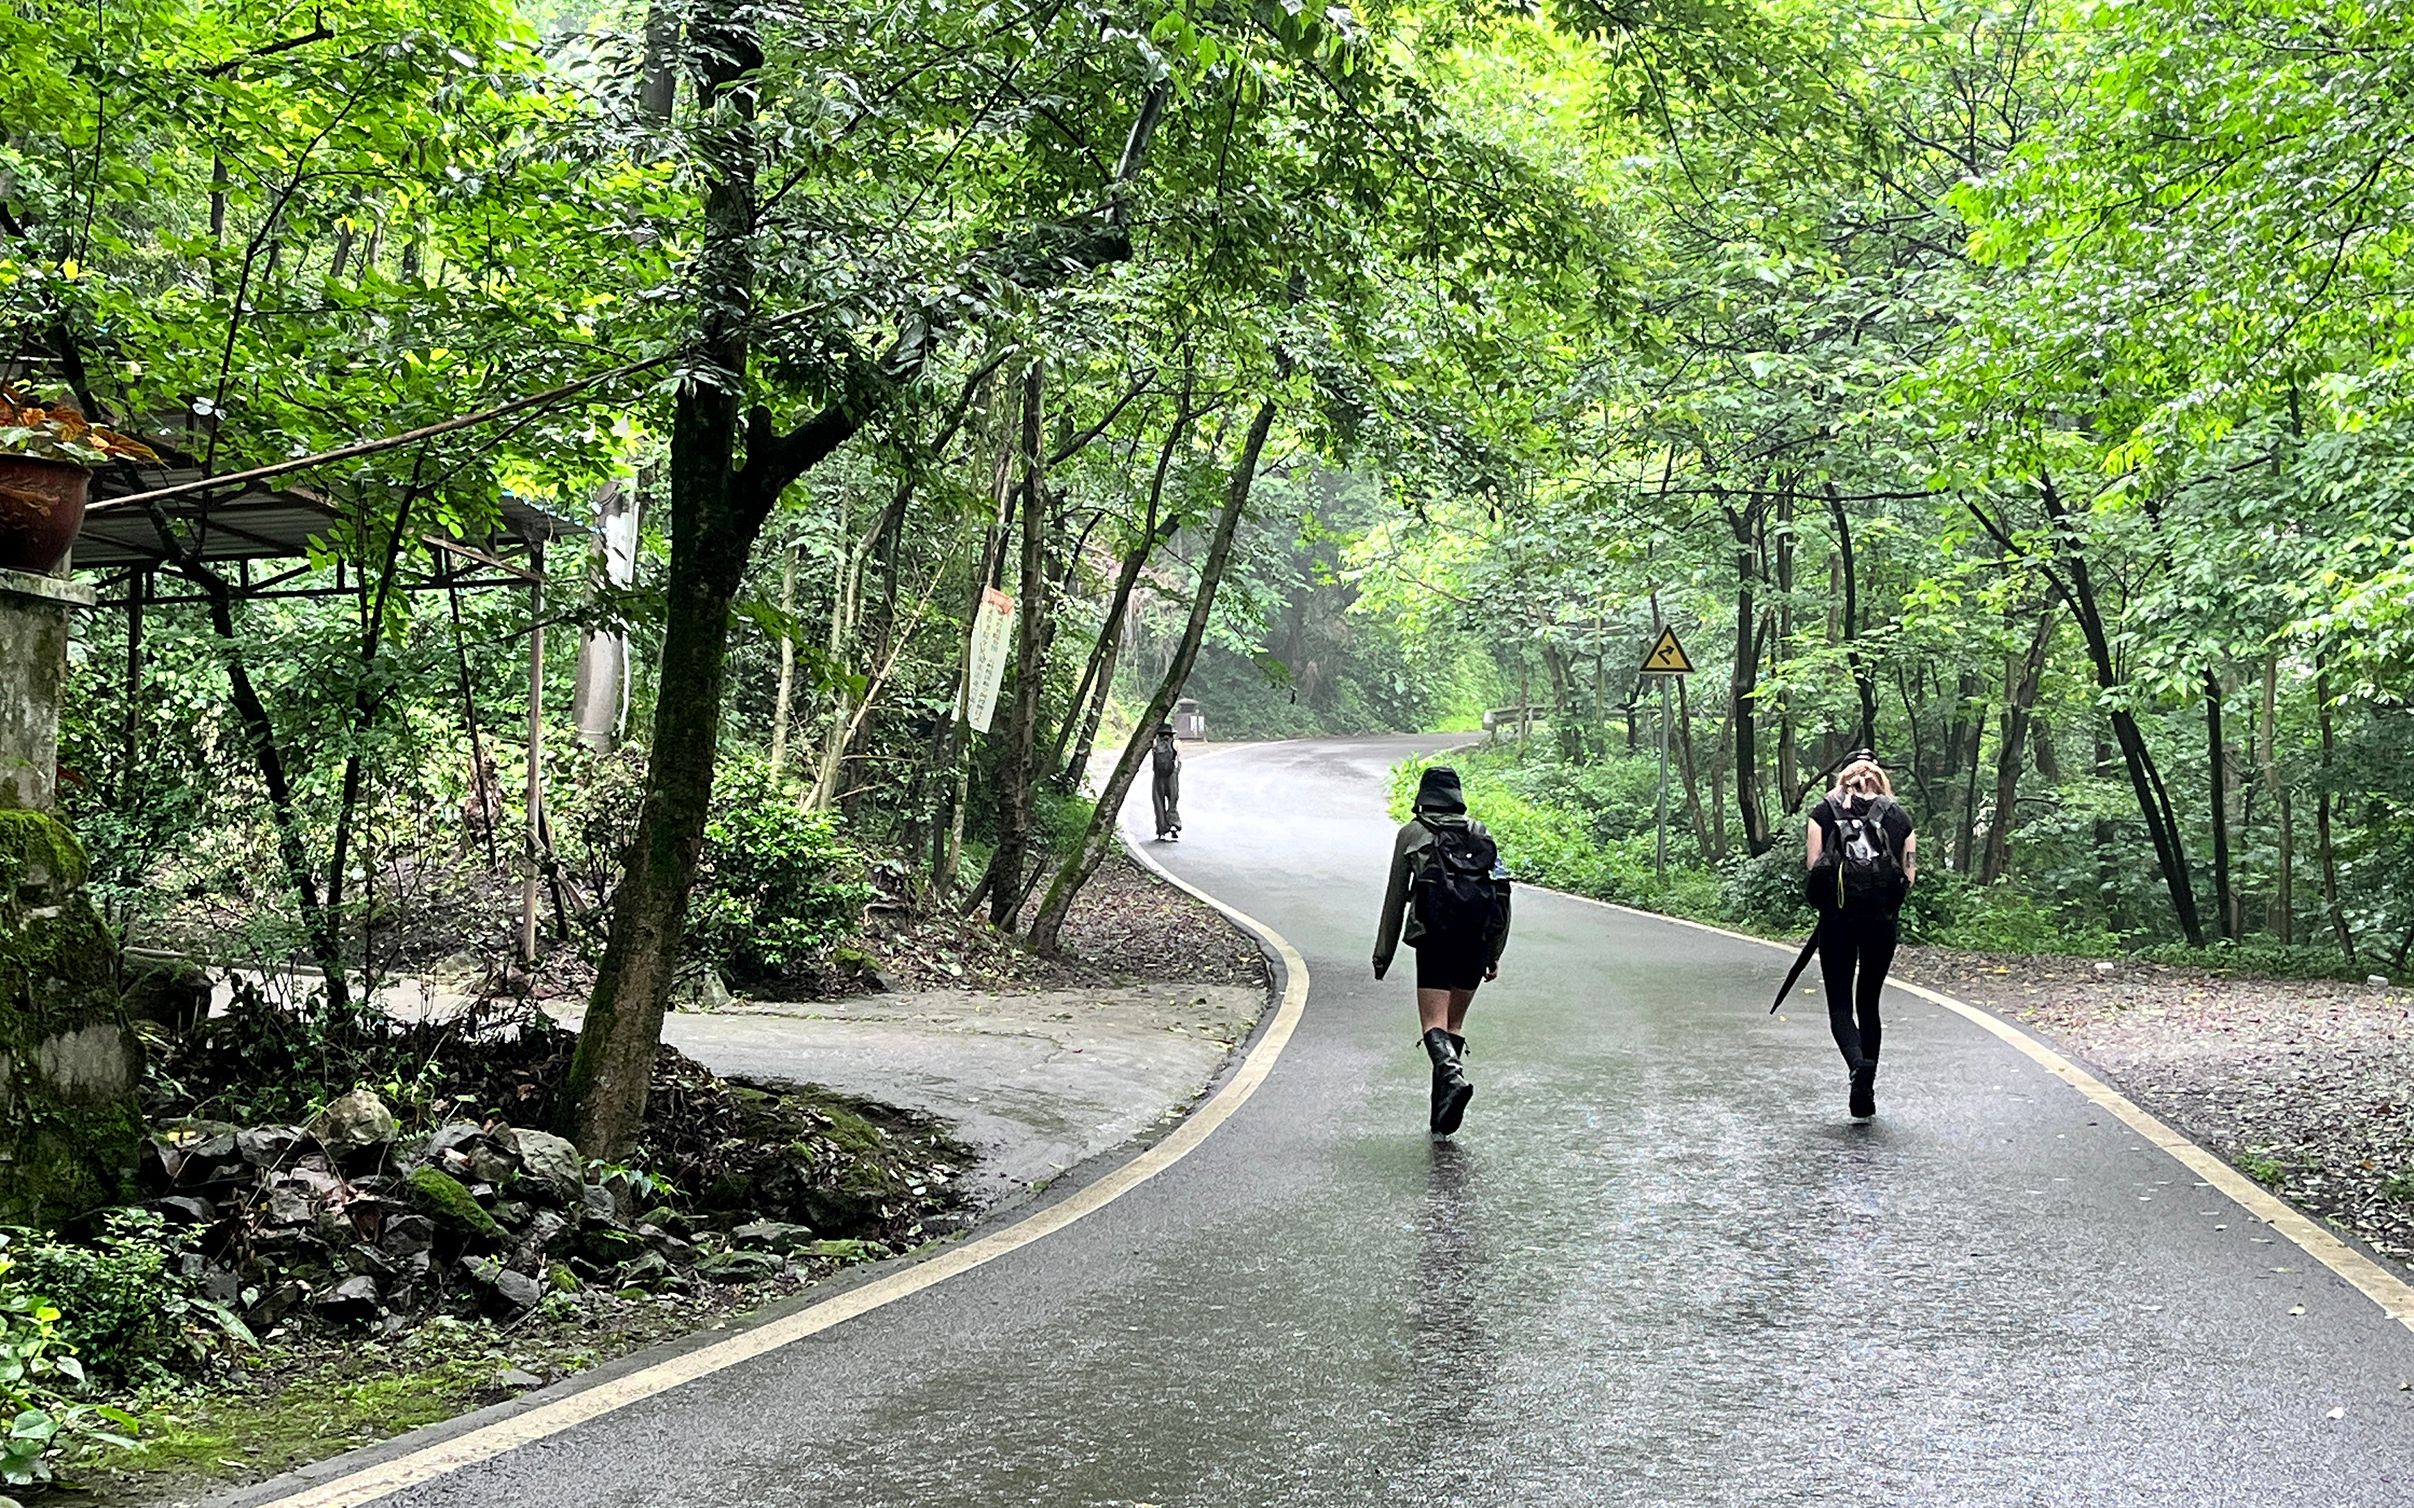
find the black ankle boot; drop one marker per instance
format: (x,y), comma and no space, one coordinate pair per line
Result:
(1864,1091)
(1451,1091)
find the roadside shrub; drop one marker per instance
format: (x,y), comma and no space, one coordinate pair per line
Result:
(39,1376)
(2261,959)
(126,1307)
(1058,820)
(1765,890)
(778,888)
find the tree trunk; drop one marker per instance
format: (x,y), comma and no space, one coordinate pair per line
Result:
(1098,681)
(2324,854)
(712,530)
(1861,680)
(1693,790)
(2283,921)
(1047,929)
(1965,837)
(1015,775)
(319,922)
(1722,758)
(1965,742)
(2216,766)
(1789,755)
(2076,587)
(1563,727)
(830,764)
(2021,680)
(947,772)
(716,514)
(787,685)
(1740,714)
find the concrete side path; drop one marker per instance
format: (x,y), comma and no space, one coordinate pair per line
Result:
(1658,1268)
(1036,1082)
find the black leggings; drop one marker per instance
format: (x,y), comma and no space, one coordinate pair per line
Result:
(1856,941)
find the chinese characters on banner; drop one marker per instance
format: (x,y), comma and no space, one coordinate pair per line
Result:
(992,628)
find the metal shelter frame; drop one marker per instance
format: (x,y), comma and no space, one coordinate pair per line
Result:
(128,546)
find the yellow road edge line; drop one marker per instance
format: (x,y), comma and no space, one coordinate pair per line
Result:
(2383,1287)
(488,1441)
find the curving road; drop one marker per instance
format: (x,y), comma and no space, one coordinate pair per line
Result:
(1657,1268)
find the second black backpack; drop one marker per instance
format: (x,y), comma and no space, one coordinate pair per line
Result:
(1462,891)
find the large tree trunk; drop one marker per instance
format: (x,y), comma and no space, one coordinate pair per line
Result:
(712,532)
(1015,775)
(716,516)
(2021,680)
(1047,928)
(2075,585)
(1740,713)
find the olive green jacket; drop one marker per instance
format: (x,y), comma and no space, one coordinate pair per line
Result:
(1399,922)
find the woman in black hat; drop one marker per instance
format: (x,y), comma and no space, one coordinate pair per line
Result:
(1449,899)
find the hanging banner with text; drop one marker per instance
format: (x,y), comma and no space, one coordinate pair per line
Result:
(992,631)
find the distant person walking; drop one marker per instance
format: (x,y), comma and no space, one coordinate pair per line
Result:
(1863,857)
(1449,899)
(1165,783)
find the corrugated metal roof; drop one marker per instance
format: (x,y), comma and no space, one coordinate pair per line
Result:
(260,524)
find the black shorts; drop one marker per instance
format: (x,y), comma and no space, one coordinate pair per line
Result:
(1441,968)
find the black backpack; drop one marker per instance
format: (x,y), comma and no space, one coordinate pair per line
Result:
(1166,757)
(1867,865)
(1462,890)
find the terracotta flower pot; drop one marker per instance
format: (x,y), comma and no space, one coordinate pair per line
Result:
(41,509)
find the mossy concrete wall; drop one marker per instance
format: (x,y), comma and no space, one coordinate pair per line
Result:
(70,1127)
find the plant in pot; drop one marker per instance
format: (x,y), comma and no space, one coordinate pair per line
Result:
(47,452)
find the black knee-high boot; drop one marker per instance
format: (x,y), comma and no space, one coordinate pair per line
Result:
(1451,1091)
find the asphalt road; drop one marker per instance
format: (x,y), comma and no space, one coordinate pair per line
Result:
(1658,1267)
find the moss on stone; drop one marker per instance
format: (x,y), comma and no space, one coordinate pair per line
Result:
(852,1132)
(442,1197)
(37,849)
(69,1127)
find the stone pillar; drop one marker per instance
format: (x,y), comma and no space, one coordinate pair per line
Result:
(69,1065)
(33,645)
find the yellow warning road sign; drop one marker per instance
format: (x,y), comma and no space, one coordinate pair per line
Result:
(1667,657)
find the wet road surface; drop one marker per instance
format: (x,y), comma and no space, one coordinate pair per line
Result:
(1658,1267)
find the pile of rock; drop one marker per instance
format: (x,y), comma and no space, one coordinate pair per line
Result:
(346,1219)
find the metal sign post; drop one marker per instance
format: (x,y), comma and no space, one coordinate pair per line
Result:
(1666,661)
(1665,682)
